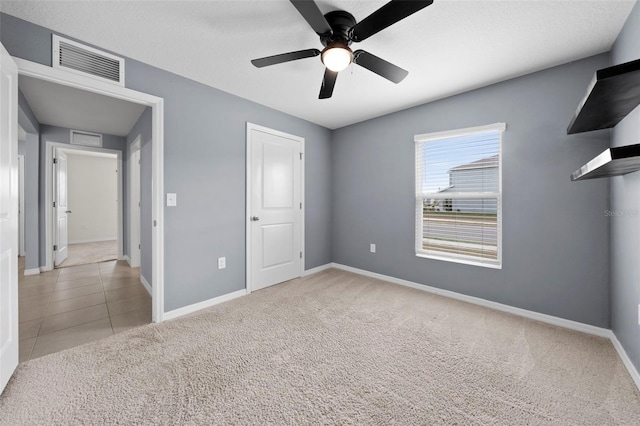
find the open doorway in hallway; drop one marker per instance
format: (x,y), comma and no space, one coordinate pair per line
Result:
(95,290)
(87,204)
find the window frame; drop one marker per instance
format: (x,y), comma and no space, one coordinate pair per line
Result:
(419,141)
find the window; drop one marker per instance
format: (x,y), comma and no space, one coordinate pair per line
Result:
(459,195)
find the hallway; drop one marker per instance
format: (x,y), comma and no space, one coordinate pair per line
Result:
(71,306)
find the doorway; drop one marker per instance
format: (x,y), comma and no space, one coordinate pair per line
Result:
(86,208)
(275,207)
(156,104)
(84,297)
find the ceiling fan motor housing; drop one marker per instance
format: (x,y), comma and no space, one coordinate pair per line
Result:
(341,23)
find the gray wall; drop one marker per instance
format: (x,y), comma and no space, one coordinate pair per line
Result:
(62,135)
(625,198)
(143,127)
(205,165)
(205,144)
(555,237)
(31,147)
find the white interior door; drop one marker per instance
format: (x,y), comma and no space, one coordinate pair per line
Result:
(275,213)
(134,236)
(61,207)
(8,217)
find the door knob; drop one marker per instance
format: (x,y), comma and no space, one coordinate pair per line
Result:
(68,211)
(255,218)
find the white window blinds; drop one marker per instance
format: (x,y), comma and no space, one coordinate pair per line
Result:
(458,195)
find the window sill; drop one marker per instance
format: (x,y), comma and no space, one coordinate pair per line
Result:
(460,260)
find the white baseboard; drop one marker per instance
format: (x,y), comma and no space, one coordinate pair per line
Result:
(33,271)
(146,285)
(202,305)
(318,269)
(93,240)
(128,259)
(633,372)
(46,268)
(549,319)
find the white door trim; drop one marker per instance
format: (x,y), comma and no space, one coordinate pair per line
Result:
(49,184)
(250,127)
(21,241)
(134,187)
(42,72)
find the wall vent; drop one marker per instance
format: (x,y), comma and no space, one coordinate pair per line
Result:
(80,59)
(79,137)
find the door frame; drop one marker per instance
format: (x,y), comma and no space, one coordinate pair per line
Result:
(134,262)
(21,242)
(250,127)
(50,183)
(60,76)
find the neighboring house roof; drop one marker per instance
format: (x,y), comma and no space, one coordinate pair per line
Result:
(446,189)
(483,163)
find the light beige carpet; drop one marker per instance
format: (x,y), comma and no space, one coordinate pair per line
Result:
(85,253)
(331,348)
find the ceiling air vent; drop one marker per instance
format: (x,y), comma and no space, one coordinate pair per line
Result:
(87,61)
(78,137)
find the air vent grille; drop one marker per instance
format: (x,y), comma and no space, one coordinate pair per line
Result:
(85,60)
(79,137)
(81,60)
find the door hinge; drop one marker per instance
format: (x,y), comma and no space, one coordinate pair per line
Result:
(54,204)
(138,203)
(300,255)
(55,248)
(301,156)
(138,246)
(55,161)
(300,206)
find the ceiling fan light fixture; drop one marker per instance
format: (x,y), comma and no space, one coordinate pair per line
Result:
(337,58)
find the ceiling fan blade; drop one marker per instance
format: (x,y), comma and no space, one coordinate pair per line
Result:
(387,15)
(285,57)
(328,82)
(311,13)
(379,66)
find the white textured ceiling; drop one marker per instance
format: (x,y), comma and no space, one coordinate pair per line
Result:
(64,106)
(450,47)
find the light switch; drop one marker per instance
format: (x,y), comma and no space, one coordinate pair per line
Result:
(172,200)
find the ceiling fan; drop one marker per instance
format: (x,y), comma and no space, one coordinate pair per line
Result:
(337,30)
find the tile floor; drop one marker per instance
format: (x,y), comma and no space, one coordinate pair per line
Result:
(71,306)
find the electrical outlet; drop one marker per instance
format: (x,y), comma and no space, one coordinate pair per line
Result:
(372,248)
(222,262)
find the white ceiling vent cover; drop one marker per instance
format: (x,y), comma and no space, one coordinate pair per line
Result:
(84,60)
(78,137)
